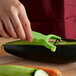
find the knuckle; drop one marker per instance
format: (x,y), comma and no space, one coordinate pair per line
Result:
(23,38)
(20,6)
(28,24)
(14,36)
(12,33)
(18,27)
(11,30)
(11,8)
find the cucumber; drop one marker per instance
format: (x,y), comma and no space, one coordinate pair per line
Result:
(14,70)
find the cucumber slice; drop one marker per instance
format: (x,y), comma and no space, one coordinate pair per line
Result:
(40,73)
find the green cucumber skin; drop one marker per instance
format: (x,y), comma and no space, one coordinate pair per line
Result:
(14,70)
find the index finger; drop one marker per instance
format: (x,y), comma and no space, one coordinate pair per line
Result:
(26,25)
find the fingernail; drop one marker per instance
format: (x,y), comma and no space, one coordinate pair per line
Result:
(30,40)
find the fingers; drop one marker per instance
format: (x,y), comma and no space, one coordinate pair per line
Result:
(16,23)
(2,31)
(26,24)
(18,26)
(9,27)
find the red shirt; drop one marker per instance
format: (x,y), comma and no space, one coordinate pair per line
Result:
(52,16)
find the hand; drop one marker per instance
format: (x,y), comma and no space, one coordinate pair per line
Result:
(14,21)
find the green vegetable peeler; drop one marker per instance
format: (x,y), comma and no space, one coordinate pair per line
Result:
(39,40)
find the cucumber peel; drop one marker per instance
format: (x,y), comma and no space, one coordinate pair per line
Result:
(66,43)
(15,70)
